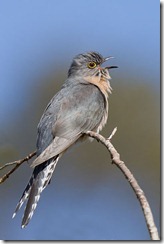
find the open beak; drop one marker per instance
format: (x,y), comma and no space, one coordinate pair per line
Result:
(110,67)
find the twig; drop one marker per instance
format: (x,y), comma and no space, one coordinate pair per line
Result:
(17,164)
(138,191)
(112,134)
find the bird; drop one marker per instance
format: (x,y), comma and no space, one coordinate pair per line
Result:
(80,105)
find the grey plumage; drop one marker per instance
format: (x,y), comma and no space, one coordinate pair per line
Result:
(76,113)
(79,106)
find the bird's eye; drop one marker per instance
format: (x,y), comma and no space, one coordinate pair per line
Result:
(91,65)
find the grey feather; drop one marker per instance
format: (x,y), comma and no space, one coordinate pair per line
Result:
(40,182)
(73,117)
(24,196)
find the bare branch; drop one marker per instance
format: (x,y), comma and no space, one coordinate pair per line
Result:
(17,164)
(134,184)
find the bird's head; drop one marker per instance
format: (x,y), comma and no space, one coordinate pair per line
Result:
(90,64)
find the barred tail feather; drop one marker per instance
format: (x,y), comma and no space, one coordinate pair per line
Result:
(38,186)
(24,196)
(40,179)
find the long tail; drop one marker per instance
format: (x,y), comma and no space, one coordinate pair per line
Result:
(40,178)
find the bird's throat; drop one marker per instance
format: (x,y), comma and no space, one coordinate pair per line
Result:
(101,82)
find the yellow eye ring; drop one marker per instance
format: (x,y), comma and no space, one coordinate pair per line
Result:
(91,65)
